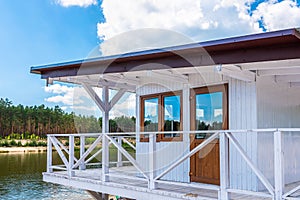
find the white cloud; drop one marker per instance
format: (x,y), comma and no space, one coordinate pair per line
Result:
(80,3)
(75,98)
(196,19)
(125,107)
(69,96)
(278,15)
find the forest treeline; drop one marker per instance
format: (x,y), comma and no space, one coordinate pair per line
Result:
(42,120)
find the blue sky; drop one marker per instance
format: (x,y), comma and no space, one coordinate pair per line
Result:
(37,32)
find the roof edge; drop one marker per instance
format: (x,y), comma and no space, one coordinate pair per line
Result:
(210,43)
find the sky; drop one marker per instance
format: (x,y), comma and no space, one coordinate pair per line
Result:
(37,32)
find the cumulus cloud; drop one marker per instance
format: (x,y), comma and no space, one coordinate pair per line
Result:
(80,3)
(196,19)
(71,98)
(126,106)
(278,14)
(76,99)
(65,94)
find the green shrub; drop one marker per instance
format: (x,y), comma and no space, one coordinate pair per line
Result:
(32,143)
(13,143)
(77,142)
(19,144)
(89,140)
(7,137)
(5,143)
(66,143)
(26,135)
(42,144)
(16,136)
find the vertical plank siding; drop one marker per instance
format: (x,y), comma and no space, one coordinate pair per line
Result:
(166,152)
(278,107)
(242,115)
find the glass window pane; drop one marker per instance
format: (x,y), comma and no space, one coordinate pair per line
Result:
(209,112)
(171,115)
(151,115)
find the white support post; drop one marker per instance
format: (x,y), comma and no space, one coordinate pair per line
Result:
(152,165)
(278,165)
(105,129)
(224,167)
(119,162)
(71,156)
(82,165)
(186,113)
(49,155)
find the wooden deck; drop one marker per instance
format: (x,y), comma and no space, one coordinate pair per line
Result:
(90,179)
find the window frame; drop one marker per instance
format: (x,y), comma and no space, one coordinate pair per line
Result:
(161,120)
(206,90)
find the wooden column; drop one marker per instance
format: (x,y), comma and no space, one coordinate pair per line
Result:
(105,129)
(224,167)
(278,165)
(119,161)
(49,155)
(152,161)
(71,156)
(186,112)
(82,150)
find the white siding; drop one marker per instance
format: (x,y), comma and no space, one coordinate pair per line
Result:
(242,115)
(278,107)
(166,152)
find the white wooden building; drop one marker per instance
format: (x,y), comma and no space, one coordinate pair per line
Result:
(214,120)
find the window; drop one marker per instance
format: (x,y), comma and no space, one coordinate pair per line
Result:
(209,109)
(161,112)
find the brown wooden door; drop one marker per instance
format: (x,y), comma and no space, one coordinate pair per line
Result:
(208,112)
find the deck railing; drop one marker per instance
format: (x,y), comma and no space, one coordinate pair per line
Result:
(88,153)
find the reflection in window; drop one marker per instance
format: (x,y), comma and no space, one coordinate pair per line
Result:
(209,112)
(172,122)
(151,115)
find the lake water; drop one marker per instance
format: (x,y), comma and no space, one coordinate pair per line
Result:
(21,178)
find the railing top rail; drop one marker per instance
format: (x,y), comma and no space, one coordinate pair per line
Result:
(132,134)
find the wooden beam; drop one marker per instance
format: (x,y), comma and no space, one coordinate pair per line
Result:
(164,76)
(121,79)
(98,195)
(287,78)
(278,64)
(94,96)
(282,71)
(116,98)
(236,72)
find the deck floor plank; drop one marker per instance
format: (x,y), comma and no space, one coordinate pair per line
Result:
(162,188)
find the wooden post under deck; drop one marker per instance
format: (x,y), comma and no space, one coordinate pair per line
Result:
(98,195)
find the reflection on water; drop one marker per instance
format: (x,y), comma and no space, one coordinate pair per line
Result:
(21,178)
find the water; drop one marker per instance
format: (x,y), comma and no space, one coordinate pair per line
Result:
(21,178)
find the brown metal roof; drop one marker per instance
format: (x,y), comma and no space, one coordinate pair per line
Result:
(271,46)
